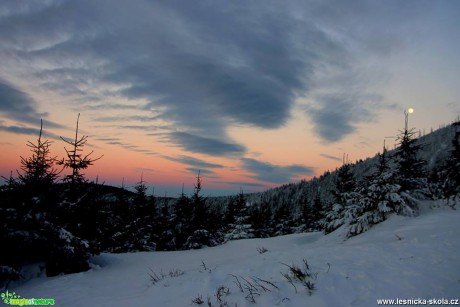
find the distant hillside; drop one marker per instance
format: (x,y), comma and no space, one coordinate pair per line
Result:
(436,147)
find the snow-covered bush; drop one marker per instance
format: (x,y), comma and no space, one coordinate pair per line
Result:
(200,238)
(67,253)
(240,231)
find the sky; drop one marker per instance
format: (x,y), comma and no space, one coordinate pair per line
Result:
(253,94)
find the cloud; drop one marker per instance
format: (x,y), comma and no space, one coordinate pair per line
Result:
(131,147)
(241,68)
(335,115)
(197,163)
(17,105)
(126,118)
(204,172)
(331,157)
(236,63)
(20,130)
(206,65)
(28,131)
(107,106)
(268,172)
(200,144)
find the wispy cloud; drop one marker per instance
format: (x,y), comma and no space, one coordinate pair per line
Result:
(28,131)
(18,105)
(204,172)
(126,118)
(268,172)
(197,163)
(331,157)
(20,130)
(119,142)
(204,145)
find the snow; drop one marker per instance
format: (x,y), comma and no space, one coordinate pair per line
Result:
(403,257)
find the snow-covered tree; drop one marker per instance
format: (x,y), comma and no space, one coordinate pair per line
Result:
(344,197)
(451,183)
(376,199)
(237,219)
(410,173)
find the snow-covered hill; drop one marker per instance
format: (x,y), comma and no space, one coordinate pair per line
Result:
(401,258)
(435,148)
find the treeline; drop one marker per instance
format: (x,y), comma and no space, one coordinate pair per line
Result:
(59,223)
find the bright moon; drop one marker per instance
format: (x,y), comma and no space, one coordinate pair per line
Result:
(410,110)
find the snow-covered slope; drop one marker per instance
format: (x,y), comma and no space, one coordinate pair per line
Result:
(404,257)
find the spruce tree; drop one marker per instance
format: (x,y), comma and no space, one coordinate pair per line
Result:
(237,218)
(240,207)
(180,222)
(199,222)
(344,196)
(451,184)
(345,179)
(378,197)
(199,215)
(76,161)
(410,168)
(312,212)
(141,195)
(38,172)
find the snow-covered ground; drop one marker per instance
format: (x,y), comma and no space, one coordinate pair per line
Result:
(404,257)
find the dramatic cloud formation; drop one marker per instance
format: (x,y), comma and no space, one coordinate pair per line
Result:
(190,75)
(238,63)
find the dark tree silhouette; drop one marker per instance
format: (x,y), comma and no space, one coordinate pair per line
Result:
(141,189)
(410,166)
(345,179)
(200,212)
(76,161)
(312,211)
(236,209)
(38,170)
(452,182)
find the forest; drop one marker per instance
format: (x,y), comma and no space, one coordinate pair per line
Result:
(60,222)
